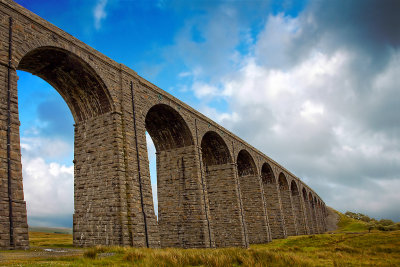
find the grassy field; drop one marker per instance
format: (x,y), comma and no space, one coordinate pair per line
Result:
(350,245)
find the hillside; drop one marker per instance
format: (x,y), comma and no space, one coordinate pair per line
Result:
(347,245)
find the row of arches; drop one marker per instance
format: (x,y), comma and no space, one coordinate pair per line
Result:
(208,195)
(241,205)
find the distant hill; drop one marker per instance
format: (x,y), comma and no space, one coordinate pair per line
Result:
(53,230)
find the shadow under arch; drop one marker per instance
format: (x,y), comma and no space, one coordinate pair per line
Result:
(287,206)
(75,80)
(222,192)
(298,209)
(214,150)
(167,128)
(252,199)
(182,219)
(271,196)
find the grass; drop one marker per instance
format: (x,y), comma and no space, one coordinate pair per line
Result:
(40,239)
(347,224)
(351,245)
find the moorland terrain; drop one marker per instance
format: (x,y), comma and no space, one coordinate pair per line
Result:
(353,243)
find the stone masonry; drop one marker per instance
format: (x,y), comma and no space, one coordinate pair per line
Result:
(214,189)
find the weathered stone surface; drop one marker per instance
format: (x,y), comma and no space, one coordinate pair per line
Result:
(214,190)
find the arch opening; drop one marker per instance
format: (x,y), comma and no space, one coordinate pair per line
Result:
(283,184)
(214,150)
(78,83)
(46,133)
(178,185)
(267,175)
(167,128)
(294,189)
(245,164)
(87,97)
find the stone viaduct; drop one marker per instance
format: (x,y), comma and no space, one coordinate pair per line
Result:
(214,189)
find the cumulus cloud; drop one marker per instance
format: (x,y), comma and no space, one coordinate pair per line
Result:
(49,194)
(99,13)
(319,93)
(48,177)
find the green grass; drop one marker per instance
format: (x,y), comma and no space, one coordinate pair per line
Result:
(347,224)
(350,245)
(39,239)
(54,230)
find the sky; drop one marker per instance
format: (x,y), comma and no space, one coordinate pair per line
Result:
(312,84)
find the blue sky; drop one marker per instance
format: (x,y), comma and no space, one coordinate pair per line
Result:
(312,84)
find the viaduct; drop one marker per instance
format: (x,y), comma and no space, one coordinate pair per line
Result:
(214,189)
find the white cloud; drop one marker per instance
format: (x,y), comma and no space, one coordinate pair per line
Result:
(203,90)
(48,148)
(48,188)
(99,13)
(48,184)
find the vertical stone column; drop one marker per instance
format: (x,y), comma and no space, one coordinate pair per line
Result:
(264,201)
(321,218)
(300,220)
(311,217)
(253,207)
(181,214)
(306,213)
(11,168)
(290,221)
(147,195)
(314,217)
(225,214)
(98,172)
(274,208)
(324,216)
(140,227)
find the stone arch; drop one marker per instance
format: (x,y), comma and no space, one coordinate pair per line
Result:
(253,205)
(91,105)
(273,203)
(246,164)
(313,212)
(214,150)
(167,128)
(75,80)
(182,217)
(222,192)
(308,211)
(298,208)
(287,205)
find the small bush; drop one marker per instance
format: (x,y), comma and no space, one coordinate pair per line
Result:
(386,222)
